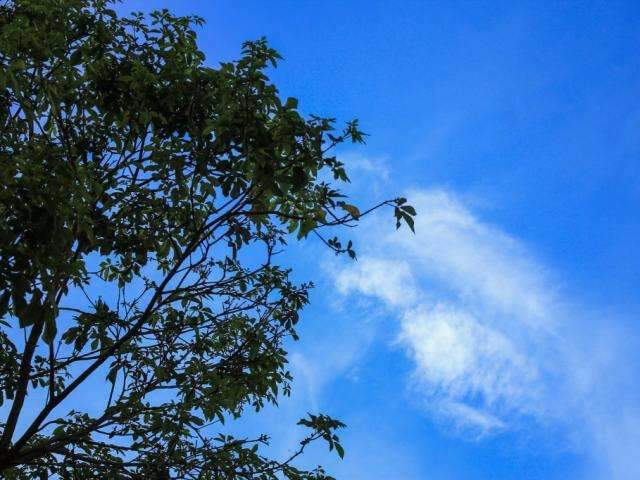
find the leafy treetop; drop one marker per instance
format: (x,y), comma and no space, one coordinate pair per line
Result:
(145,199)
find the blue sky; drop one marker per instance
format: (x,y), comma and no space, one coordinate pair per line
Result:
(500,341)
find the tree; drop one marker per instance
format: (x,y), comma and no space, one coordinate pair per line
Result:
(145,201)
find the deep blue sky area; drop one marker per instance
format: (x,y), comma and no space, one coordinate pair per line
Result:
(516,128)
(531,104)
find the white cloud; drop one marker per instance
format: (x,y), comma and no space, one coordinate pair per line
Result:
(374,167)
(480,263)
(458,356)
(388,280)
(472,303)
(492,341)
(469,419)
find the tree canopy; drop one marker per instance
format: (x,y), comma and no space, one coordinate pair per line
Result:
(146,204)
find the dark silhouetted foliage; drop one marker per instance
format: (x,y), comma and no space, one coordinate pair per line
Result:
(145,200)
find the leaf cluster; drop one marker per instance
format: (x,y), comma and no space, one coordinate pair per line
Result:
(145,199)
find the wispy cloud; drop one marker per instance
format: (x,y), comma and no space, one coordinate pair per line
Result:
(474,372)
(471,302)
(493,341)
(366,165)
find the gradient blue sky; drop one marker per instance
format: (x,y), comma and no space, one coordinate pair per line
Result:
(500,341)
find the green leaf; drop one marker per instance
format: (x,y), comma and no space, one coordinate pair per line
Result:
(305,227)
(351,209)
(76,57)
(293,225)
(409,219)
(291,103)
(4,302)
(50,328)
(197,421)
(339,450)
(210,127)
(32,311)
(409,209)
(113,373)
(18,64)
